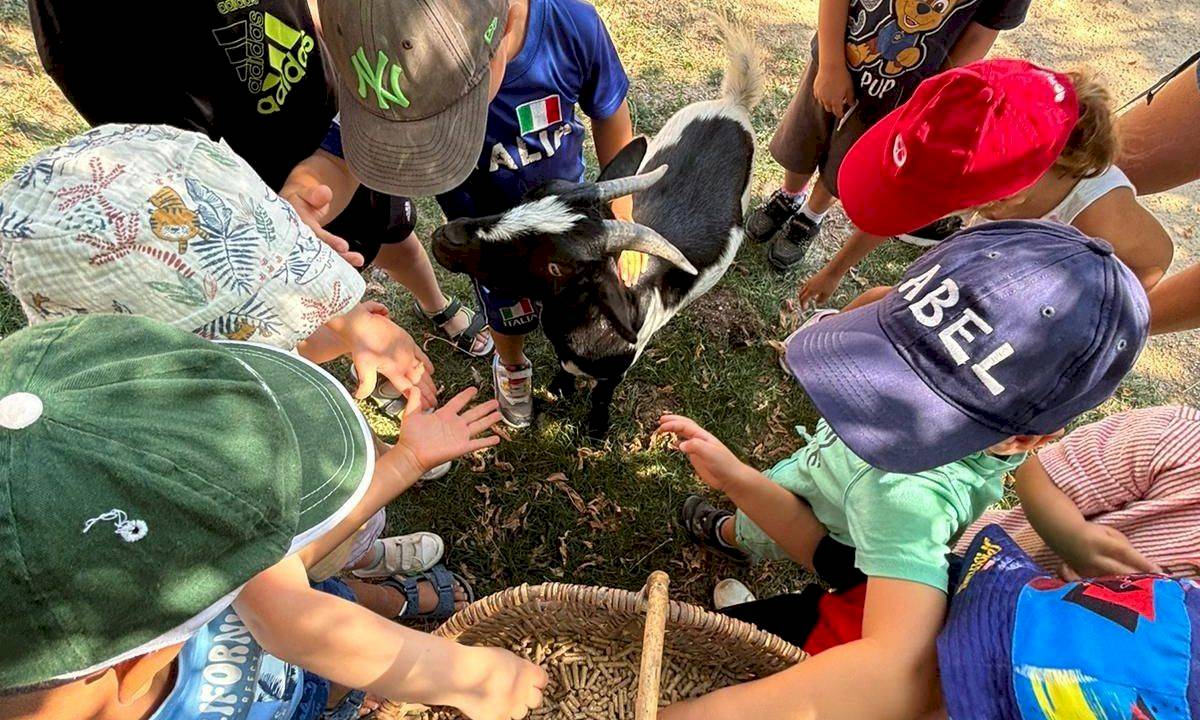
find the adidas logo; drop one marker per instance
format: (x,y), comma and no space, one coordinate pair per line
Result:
(287,57)
(268,55)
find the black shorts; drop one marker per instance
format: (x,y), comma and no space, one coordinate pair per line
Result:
(373,219)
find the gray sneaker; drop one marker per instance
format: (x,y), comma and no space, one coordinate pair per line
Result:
(514,391)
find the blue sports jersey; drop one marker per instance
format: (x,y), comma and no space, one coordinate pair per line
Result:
(533,132)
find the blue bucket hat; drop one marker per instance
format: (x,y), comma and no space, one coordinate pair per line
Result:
(1020,644)
(1008,328)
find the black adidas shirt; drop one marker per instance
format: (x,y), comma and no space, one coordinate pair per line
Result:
(247,71)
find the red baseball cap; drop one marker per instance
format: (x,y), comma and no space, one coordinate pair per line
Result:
(967,137)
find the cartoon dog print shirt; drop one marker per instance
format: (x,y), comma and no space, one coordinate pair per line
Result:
(892,45)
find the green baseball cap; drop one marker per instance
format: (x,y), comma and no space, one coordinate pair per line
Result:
(148,474)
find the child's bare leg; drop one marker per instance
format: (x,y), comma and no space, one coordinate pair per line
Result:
(819,198)
(794,183)
(510,348)
(407,263)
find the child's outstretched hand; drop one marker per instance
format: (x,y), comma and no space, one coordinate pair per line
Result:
(509,686)
(819,288)
(379,346)
(312,205)
(427,440)
(716,464)
(1096,550)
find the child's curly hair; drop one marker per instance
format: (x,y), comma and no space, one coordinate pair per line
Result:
(1093,144)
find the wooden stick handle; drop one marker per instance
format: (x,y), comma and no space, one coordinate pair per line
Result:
(652,646)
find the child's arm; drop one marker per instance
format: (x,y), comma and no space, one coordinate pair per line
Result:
(353,646)
(890,673)
(1088,549)
(323,346)
(377,346)
(1175,302)
(1137,237)
(824,283)
(785,518)
(974,44)
(426,440)
(868,296)
(833,86)
(320,188)
(611,135)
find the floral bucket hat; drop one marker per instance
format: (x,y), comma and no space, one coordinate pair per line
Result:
(165,223)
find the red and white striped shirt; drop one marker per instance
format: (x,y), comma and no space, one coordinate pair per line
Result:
(1137,472)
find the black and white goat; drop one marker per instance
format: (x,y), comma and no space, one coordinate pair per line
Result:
(690,188)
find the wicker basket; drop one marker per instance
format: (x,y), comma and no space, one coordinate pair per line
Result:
(591,641)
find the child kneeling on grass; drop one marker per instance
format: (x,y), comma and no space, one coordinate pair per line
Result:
(1116,496)
(159,492)
(1008,140)
(989,346)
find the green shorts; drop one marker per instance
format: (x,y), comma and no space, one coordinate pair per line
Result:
(751,537)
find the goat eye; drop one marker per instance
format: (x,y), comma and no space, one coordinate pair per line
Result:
(555,270)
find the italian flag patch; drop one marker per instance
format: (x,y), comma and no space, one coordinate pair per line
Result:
(539,114)
(518,311)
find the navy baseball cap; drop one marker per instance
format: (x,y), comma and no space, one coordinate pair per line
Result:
(1008,328)
(1021,644)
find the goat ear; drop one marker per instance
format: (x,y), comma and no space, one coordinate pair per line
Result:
(619,305)
(627,161)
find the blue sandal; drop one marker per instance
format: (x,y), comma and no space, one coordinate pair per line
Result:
(443,581)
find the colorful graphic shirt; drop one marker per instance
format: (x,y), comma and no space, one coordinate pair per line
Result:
(246,71)
(223,674)
(892,45)
(533,133)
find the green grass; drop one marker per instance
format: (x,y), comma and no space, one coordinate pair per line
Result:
(548,504)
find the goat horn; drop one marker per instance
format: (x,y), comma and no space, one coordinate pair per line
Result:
(621,235)
(609,190)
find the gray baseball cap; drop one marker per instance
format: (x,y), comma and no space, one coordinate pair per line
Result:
(413,87)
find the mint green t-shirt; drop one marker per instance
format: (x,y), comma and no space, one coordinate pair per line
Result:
(901,525)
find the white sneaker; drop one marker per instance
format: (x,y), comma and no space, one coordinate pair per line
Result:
(390,400)
(514,392)
(404,555)
(731,592)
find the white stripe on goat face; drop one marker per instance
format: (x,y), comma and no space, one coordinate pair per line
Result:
(549,216)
